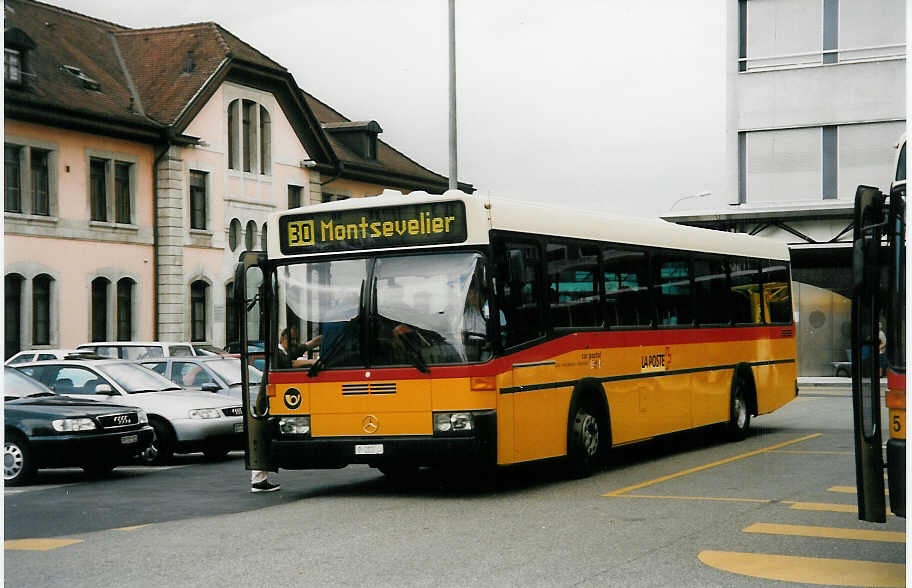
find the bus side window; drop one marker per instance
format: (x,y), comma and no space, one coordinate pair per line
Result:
(626,278)
(711,289)
(572,273)
(671,281)
(777,301)
(745,301)
(519,271)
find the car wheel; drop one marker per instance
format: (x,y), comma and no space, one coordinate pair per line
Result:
(98,469)
(161,449)
(19,465)
(585,441)
(215,451)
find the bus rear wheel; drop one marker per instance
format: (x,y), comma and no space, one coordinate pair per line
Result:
(585,441)
(739,416)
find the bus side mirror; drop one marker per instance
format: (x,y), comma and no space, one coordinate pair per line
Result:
(866,246)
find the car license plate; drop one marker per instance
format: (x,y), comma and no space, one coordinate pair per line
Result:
(238,427)
(376,449)
(127,439)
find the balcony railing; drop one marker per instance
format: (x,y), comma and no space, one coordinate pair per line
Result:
(823,57)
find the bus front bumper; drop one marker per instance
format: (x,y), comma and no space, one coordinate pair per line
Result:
(479,447)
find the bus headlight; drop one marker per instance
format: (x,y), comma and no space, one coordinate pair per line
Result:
(453,422)
(294,425)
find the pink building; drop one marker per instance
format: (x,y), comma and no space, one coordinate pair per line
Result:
(140,163)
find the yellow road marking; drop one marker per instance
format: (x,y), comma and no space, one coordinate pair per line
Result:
(37,544)
(720,499)
(827,532)
(808,570)
(133,528)
(843,489)
(710,465)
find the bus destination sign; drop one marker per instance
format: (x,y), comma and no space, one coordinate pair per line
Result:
(372,228)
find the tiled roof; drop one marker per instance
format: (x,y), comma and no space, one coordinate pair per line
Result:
(150,77)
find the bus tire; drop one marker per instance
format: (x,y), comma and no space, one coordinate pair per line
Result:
(587,438)
(739,410)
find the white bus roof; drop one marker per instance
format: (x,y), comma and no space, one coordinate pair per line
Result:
(486,213)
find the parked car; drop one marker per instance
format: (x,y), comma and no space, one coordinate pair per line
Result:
(38,355)
(252,346)
(183,421)
(138,349)
(45,430)
(209,374)
(208,349)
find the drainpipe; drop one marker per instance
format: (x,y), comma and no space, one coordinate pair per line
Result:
(158,157)
(338,173)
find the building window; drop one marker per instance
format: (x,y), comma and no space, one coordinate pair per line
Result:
(233,135)
(249,137)
(124,309)
(100,309)
(250,236)
(98,183)
(294,196)
(41,201)
(12,296)
(41,310)
(13,179)
(263,238)
(198,200)
(122,192)
(234,233)
(265,138)
(329,197)
(198,310)
(12,66)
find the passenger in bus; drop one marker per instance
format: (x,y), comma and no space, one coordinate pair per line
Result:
(285,359)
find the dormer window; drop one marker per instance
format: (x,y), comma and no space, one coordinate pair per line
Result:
(359,136)
(12,66)
(249,137)
(16,45)
(87,82)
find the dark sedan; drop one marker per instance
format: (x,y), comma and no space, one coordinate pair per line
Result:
(46,430)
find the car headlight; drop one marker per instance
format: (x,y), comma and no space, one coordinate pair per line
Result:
(204,413)
(294,425)
(453,422)
(68,425)
(142,417)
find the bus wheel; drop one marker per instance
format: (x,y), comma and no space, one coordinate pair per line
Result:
(585,442)
(739,417)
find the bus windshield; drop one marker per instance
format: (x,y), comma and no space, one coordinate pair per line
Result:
(417,310)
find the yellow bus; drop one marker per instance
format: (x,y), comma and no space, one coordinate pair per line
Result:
(436,330)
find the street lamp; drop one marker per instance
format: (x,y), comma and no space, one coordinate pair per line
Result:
(682,198)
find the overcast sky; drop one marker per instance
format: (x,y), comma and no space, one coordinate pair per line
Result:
(604,104)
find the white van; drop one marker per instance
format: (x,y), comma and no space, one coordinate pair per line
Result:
(138,349)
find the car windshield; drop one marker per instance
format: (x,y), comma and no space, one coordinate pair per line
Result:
(18,385)
(229,370)
(134,378)
(425,310)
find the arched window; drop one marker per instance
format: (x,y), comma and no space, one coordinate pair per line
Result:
(198,290)
(233,135)
(125,309)
(263,238)
(41,310)
(234,233)
(231,324)
(249,130)
(265,142)
(100,309)
(12,289)
(250,236)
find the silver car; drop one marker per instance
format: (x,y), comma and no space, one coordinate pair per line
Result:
(184,421)
(209,374)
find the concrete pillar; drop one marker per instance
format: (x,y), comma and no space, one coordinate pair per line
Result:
(172,315)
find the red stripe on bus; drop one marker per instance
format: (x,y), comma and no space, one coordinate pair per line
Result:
(545,351)
(896,381)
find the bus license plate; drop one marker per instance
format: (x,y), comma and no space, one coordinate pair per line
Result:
(238,427)
(127,439)
(376,449)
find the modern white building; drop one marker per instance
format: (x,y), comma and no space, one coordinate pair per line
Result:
(815,107)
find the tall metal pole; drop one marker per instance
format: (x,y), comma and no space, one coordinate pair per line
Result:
(453,167)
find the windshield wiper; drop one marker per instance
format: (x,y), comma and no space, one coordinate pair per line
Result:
(414,353)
